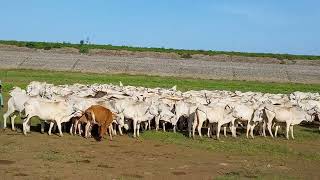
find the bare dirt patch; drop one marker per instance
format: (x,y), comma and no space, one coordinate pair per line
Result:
(41,156)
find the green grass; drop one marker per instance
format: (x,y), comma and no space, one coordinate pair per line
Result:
(278,148)
(21,78)
(182,52)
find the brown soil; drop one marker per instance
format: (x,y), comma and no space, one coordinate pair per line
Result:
(164,55)
(39,156)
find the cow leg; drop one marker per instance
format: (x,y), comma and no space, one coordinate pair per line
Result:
(5,116)
(157,121)
(86,131)
(194,126)
(71,129)
(25,124)
(291,129)
(110,132)
(174,128)
(199,128)
(276,131)
(42,127)
(251,130)
(121,117)
(235,130)
(50,128)
(120,130)
(164,126)
(134,128)
(138,129)
(248,128)
(8,113)
(79,129)
(59,128)
(189,126)
(75,127)
(89,130)
(287,130)
(149,124)
(29,126)
(209,131)
(12,118)
(269,129)
(218,130)
(146,125)
(225,131)
(264,129)
(232,131)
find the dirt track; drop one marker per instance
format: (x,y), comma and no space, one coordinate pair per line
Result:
(39,156)
(299,72)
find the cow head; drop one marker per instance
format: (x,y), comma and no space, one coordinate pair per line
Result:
(89,115)
(313,112)
(102,131)
(229,109)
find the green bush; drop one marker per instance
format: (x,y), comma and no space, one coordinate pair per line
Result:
(30,45)
(83,50)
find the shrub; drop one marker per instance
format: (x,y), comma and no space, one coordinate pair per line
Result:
(185,55)
(83,50)
(47,48)
(30,45)
(56,45)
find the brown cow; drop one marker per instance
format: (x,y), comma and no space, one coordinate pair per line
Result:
(100,115)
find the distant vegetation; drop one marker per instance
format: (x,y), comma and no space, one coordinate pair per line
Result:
(85,47)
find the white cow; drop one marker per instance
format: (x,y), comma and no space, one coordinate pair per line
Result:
(288,115)
(136,111)
(242,112)
(53,112)
(15,104)
(218,113)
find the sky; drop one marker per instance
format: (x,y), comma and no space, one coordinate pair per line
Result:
(275,26)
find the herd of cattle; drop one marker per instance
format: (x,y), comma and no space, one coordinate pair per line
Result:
(114,107)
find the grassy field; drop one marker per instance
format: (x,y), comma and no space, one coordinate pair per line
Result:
(84,48)
(265,157)
(21,78)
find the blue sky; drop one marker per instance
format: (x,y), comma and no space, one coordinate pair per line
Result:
(278,26)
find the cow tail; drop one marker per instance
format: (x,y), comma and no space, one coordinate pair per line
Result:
(197,116)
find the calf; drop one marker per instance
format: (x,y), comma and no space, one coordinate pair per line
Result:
(100,115)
